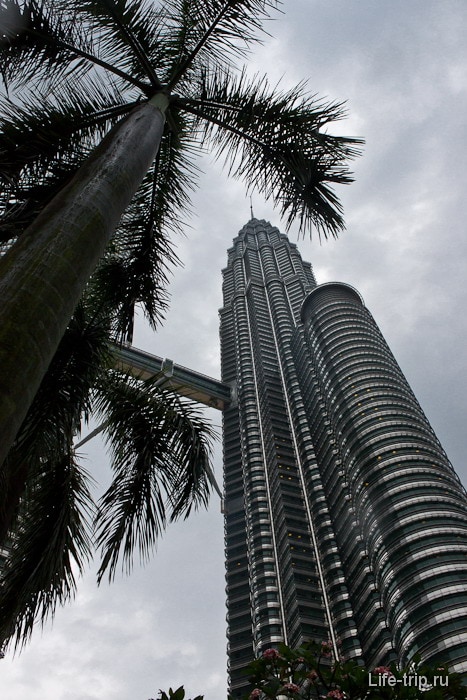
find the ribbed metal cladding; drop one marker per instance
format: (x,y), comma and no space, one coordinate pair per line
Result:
(273,581)
(343,516)
(408,504)
(280,548)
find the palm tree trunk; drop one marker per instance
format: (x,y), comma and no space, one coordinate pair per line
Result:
(44,274)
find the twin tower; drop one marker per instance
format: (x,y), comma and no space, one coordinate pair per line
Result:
(344,519)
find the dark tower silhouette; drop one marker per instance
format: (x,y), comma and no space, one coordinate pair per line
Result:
(344,519)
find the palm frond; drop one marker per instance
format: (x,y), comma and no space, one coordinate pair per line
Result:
(21,202)
(42,146)
(33,132)
(48,499)
(206,33)
(63,399)
(160,449)
(140,256)
(30,41)
(137,275)
(51,543)
(274,140)
(42,43)
(175,173)
(126,30)
(50,539)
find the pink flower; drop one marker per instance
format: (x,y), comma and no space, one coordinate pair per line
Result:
(291,687)
(326,649)
(383,671)
(312,675)
(271,654)
(256,693)
(336,694)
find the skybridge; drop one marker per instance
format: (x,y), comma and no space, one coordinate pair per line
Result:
(185,382)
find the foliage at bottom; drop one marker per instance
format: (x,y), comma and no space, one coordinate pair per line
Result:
(312,672)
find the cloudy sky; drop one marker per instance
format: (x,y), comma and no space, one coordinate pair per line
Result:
(401,67)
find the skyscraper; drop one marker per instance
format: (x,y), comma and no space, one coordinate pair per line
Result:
(344,519)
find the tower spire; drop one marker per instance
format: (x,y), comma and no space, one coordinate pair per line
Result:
(251,207)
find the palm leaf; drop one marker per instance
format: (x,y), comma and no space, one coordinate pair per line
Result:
(160,449)
(138,275)
(63,399)
(43,43)
(138,263)
(21,202)
(206,33)
(50,536)
(30,42)
(34,133)
(51,543)
(274,141)
(42,146)
(126,31)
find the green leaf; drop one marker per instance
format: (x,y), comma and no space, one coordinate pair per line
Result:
(213,32)
(51,544)
(178,694)
(275,141)
(161,451)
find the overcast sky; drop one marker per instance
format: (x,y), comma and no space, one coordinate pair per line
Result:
(401,67)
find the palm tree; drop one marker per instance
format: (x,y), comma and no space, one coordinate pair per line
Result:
(161,77)
(161,453)
(109,103)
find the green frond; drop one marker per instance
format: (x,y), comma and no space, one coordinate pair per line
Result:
(51,543)
(160,450)
(42,146)
(138,275)
(28,43)
(175,173)
(34,132)
(127,30)
(64,396)
(212,33)
(44,42)
(275,141)
(110,285)
(136,269)
(125,34)
(22,201)
(47,493)
(35,43)
(47,497)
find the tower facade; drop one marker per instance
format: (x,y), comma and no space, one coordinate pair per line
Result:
(344,519)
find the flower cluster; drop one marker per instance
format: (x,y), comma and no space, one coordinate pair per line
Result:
(290,687)
(383,671)
(307,674)
(313,672)
(271,654)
